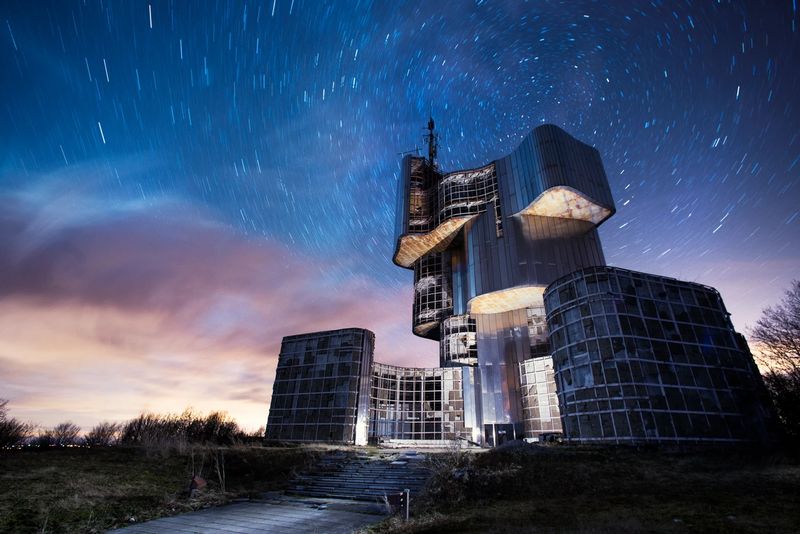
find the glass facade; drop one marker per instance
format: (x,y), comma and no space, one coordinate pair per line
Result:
(537,331)
(468,193)
(433,297)
(539,399)
(321,389)
(459,341)
(483,244)
(434,197)
(503,343)
(645,358)
(417,404)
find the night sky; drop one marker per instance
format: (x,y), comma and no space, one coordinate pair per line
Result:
(184,183)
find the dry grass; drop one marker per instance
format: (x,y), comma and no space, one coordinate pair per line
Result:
(93,490)
(549,489)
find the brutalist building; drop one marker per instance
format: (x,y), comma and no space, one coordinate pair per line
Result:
(321,389)
(537,336)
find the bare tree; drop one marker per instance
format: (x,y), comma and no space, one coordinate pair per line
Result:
(103,434)
(66,433)
(777,336)
(777,332)
(12,431)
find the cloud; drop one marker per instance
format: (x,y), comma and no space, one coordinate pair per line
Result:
(160,306)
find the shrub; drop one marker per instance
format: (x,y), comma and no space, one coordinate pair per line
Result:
(12,431)
(175,432)
(784,388)
(449,476)
(103,434)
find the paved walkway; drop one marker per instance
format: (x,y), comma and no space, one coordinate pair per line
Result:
(343,492)
(261,517)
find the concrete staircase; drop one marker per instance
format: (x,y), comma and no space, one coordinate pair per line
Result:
(362,477)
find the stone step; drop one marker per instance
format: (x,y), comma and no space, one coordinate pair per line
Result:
(361,478)
(335,487)
(369,497)
(373,469)
(388,467)
(339,483)
(356,482)
(335,484)
(332,489)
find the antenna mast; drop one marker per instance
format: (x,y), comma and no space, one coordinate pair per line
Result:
(433,143)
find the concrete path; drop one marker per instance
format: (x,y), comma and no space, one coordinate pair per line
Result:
(277,517)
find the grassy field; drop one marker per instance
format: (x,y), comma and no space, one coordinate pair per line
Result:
(537,489)
(513,489)
(93,490)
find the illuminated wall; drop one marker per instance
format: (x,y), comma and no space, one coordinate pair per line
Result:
(417,404)
(321,389)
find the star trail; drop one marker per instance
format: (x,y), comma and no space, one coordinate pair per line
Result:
(183,183)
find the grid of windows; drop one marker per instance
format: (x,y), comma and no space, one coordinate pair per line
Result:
(433,297)
(539,399)
(467,193)
(435,198)
(409,403)
(459,343)
(640,357)
(319,390)
(420,206)
(537,331)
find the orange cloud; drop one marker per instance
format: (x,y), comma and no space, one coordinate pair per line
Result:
(106,317)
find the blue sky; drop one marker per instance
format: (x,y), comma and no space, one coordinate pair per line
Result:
(183,183)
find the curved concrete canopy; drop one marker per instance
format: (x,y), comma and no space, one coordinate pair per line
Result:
(412,247)
(567,203)
(505,300)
